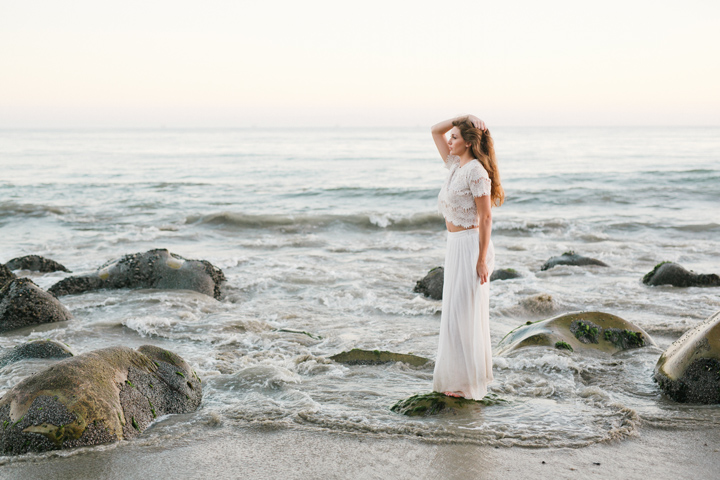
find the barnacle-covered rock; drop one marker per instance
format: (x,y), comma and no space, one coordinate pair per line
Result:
(22,303)
(153,269)
(35,263)
(689,370)
(97,397)
(35,349)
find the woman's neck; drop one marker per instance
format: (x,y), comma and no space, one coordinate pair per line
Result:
(465,158)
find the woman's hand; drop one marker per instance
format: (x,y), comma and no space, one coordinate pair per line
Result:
(477,123)
(482,271)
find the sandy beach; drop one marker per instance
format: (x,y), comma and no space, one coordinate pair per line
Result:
(269,453)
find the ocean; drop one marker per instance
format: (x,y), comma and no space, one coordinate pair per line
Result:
(326,231)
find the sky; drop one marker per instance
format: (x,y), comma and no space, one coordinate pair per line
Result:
(75,64)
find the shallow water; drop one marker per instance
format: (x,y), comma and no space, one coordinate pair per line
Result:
(326,231)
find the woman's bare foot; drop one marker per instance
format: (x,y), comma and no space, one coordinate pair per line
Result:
(452,394)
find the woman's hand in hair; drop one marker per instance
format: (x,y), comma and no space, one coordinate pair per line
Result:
(477,123)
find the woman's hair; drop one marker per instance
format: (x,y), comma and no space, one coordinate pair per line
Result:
(482,148)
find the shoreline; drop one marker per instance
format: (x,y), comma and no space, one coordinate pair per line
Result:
(288,453)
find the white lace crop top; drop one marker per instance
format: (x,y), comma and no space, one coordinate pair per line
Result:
(456,201)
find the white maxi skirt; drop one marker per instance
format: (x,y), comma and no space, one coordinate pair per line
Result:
(464,359)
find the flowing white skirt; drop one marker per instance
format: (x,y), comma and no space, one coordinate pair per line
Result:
(464,359)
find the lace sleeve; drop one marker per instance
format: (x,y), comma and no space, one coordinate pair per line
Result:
(451,160)
(479,181)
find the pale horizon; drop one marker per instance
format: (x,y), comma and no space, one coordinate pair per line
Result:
(379,64)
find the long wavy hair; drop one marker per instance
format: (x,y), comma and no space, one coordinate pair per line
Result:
(482,147)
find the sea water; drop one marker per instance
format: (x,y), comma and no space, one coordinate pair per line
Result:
(326,231)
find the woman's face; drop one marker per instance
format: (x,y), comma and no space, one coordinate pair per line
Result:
(456,143)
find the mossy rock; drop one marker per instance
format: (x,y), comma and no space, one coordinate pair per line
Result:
(432,284)
(669,273)
(153,269)
(435,403)
(504,274)
(22,304)
(35,349)
(571,258)
(97,397)
(377,357)
(577,331)
(689,370)
(35,263)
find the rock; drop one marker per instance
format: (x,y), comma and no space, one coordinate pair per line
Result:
(35,263)
(97,397)
(427,404)
(5,275)
(432,285)
(504,274)
(689,370)
(22,303)
(571,258)
(542,304)
(669,273)
(35,349)
(577,331)
(377,357)
(153,269)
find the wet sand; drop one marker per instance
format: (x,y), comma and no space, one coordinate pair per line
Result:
(269,453)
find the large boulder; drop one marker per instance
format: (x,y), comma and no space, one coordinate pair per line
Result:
(577,331)
(97,397)
(35,263)
(571,258)
(35,349)
(22,303)
(5,275)
(689,370)
(377,357)
(669,273)
(435,403)
(432,284)
(153,269)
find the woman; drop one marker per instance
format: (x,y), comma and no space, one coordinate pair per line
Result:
(463,367)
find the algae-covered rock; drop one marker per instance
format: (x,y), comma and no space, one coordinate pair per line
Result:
(504,274)
(571,258)
(22,303)
(669,273)
(689,370)
(97,397)
(35,263)
(153,269)
(35,349)
(5,275)
(377,357)
(434,403)
(577,331)
(432,284)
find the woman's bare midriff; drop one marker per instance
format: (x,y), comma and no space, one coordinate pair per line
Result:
(454,228)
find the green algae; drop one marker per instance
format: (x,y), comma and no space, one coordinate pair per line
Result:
(435,403)
(585,331)
(135,424)
(563,346)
